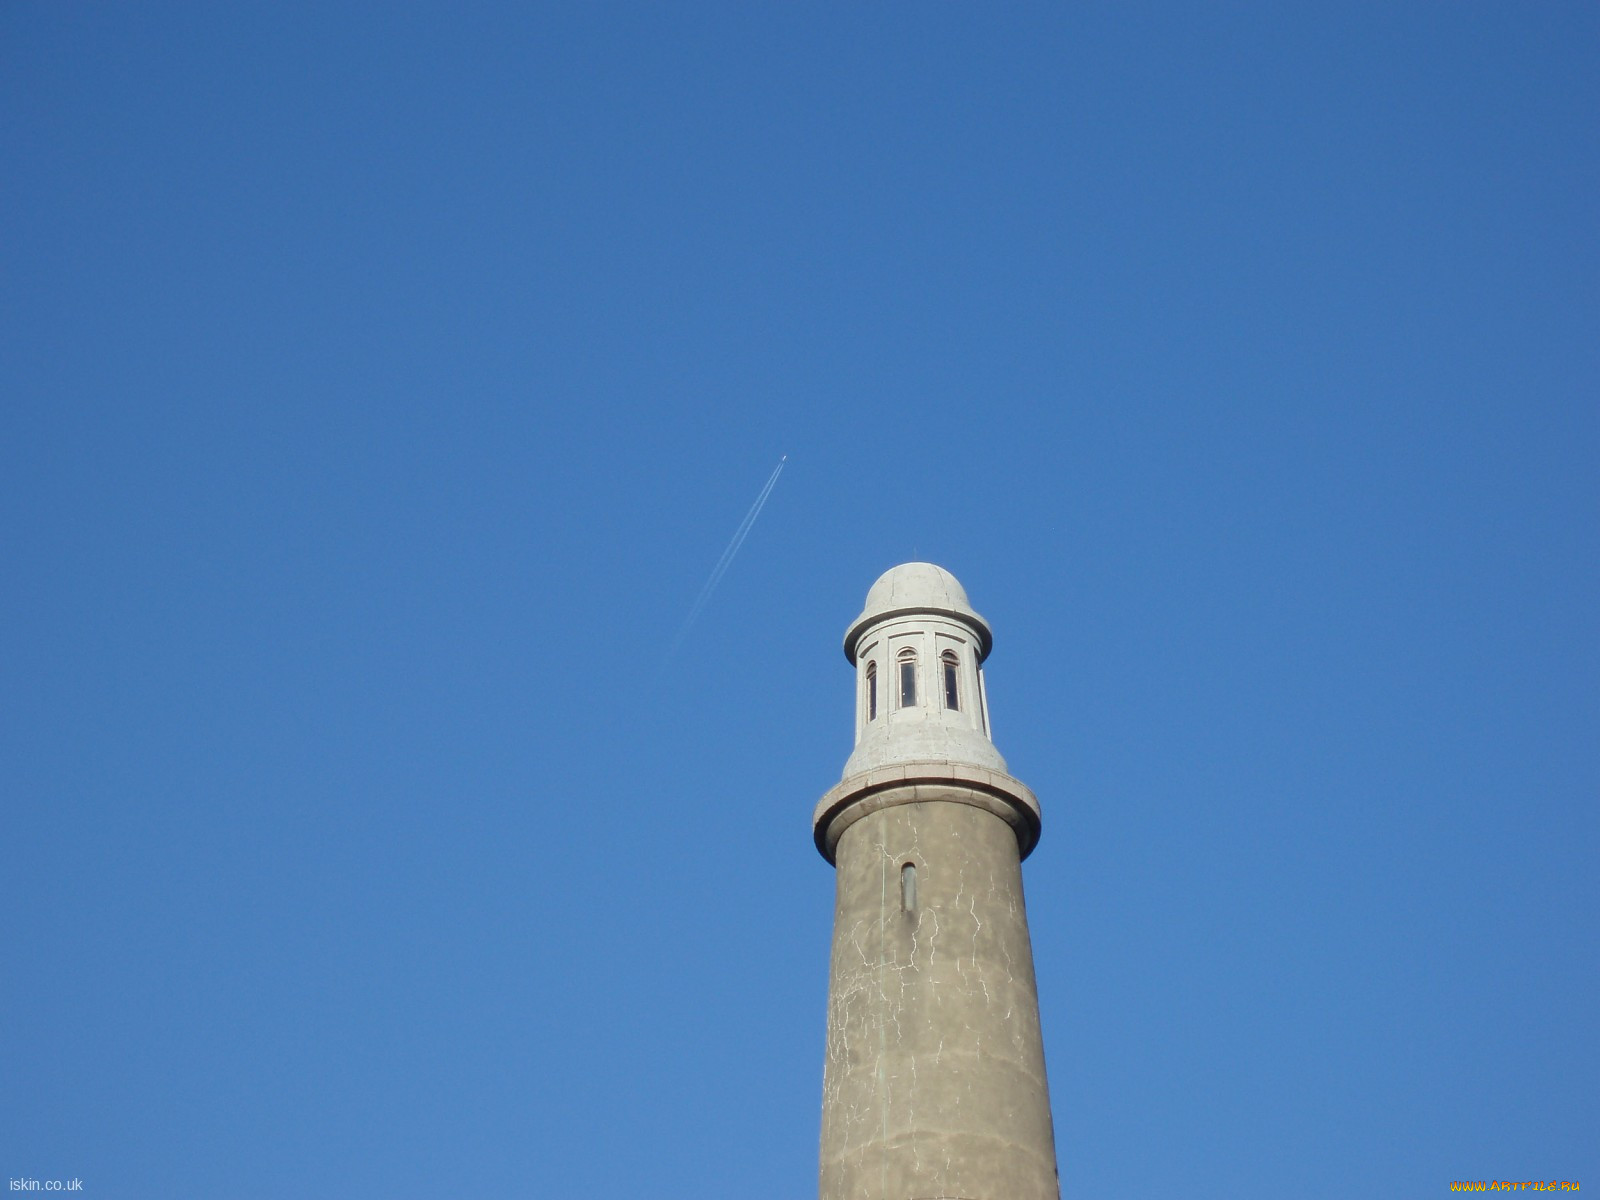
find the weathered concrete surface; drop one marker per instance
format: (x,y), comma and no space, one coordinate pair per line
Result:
(934,1083)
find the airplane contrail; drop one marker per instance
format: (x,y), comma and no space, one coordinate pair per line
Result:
(723,563)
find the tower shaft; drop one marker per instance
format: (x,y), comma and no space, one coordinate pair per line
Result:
(934,1082)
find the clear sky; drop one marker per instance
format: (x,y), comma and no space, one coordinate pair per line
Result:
(379,384)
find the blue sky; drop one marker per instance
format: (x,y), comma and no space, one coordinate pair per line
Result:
(379,385)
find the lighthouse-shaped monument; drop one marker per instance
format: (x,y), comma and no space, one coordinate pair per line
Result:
(934,1081)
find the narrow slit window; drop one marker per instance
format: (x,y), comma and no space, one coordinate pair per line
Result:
(908,678)
(908,887)
(872,691)
(952,696)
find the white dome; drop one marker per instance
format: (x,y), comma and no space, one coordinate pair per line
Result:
(917,587)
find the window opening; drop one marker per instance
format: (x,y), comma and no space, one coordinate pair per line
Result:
(952,698)
(908,887)
(872,691)
(908,678)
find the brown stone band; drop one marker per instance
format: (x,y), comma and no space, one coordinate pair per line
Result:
(922,782)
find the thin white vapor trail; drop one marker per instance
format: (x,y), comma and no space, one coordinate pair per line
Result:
(723,563)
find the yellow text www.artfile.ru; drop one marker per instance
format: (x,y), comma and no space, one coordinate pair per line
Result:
(1506,1185)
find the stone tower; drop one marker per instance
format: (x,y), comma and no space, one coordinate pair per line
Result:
(934,1083)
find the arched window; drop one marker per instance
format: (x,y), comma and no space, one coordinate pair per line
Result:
(948,663)
(908,677)
(908,887)
(872,691)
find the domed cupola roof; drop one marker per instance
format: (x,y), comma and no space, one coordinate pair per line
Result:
(917,587)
